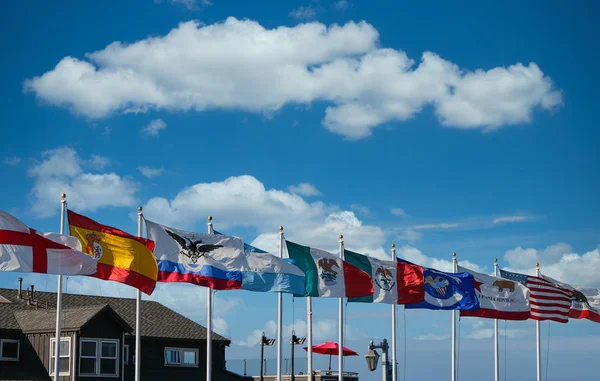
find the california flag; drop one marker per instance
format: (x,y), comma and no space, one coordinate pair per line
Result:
(499,298)
(585,304)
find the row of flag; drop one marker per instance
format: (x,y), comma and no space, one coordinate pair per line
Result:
(224,262)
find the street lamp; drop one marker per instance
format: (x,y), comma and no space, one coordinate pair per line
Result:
(295,340)
(372,358)
(268,342)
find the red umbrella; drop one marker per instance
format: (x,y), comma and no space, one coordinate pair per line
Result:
(332,349)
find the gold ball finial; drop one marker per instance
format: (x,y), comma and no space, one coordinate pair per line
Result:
(495,260)
(281,228)
(341,236)
(393,245)
(537,265)
(140,208)
(63,196)
(210,218)
(453,255)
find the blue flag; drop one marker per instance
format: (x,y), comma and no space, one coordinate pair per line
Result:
(448,291)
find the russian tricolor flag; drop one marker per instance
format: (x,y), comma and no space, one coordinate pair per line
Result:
(219,262)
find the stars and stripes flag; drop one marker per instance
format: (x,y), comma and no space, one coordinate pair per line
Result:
(549,299)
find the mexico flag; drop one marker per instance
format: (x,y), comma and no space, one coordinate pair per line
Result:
(393,282)
(327,275)
(585,304)
(27,251)
(121,257)
(499,298)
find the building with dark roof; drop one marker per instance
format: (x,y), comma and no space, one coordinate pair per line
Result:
(98,340)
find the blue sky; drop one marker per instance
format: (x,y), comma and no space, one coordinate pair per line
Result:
(440,128)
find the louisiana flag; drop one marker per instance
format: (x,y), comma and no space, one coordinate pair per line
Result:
(121,257)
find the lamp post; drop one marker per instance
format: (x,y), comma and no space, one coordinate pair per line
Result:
(268,342)
(295,340)
(372,358)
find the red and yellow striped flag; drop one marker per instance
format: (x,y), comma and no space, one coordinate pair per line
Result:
(121,257)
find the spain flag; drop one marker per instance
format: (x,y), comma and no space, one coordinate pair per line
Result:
(121,257)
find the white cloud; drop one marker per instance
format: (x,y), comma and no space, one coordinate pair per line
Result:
(509,219)
(150,172)
(12,161)
(154,127)
(341,5)
(244,201)
(559,262)
(61,171)
(409,235)
(199,67)
(414,255)
(304,189)
(361,209)
(192,4)
(398,212)
(99,162)
(304,13)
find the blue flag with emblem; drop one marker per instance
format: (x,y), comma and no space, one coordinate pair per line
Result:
(448,291)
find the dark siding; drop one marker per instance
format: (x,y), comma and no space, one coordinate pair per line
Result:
(29,366)
(153,360)
(41,345)
(101,326)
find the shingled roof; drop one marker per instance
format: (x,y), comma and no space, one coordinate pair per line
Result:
(157,320)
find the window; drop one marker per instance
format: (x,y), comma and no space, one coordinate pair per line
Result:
(64,362)
(9,350)
(126,354)
(185,357)
(99,357)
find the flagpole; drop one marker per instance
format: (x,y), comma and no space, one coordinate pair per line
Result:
(454,270)
(341,323)
(394,376)
(209,308)
(63,206)
(537,336)
(496,359)
(138,311)
(309,336)
(280,314)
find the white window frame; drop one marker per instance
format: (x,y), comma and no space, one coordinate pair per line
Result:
(99,357)
(126,354)
(2,341)
(181,351)
(61,355)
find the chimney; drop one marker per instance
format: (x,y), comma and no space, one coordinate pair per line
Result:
(20,288)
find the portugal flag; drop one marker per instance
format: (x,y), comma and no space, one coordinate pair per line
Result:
(121,257)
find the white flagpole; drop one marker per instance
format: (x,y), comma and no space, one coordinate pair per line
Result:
(63,206)
(280,314)
(138,317)
(454,269)
(538,338)
(394,375)
(309,336)
(341,324)
(209,308)
(496,359)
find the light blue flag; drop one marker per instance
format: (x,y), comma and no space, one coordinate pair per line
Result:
(269,273)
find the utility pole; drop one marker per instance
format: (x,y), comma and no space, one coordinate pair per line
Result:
(295,340)
(268,342)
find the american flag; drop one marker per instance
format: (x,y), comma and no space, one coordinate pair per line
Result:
(549,299)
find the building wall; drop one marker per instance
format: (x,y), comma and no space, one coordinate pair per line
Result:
(153,360)
(29,366)
(40,342)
